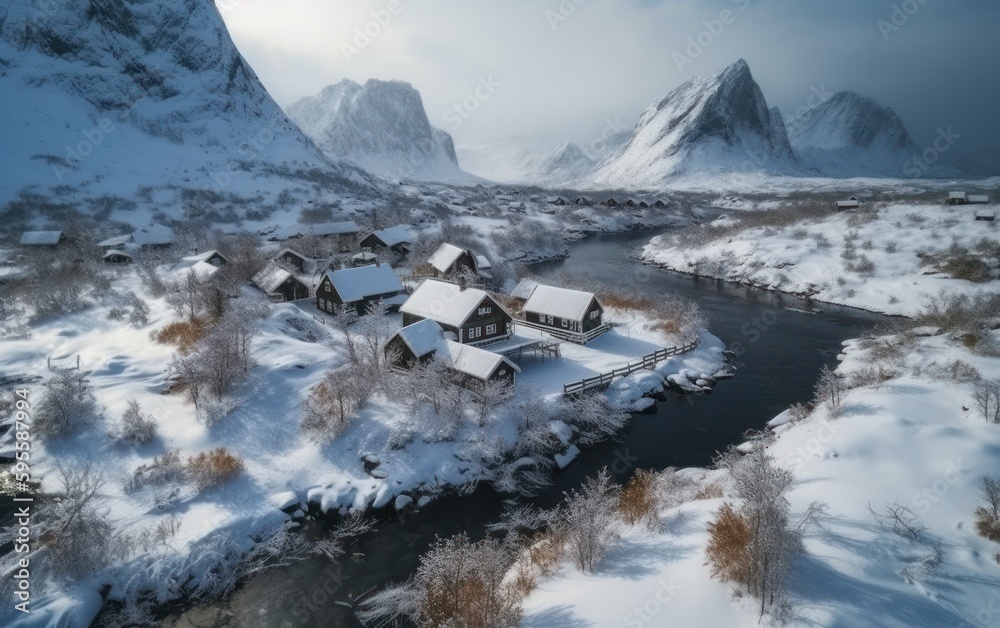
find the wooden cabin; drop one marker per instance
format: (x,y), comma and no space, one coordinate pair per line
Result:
(155,236)
(449,260)
(367,258)
(472,315)
(49,239)
(986,215)
(978,199)
(294,259)
(562,309)
(469,366)
(279,284)
(399,238)
(847,205)
(359,288)
(414,343)
(115,256)
(611,202)
(659,204)
(957,198)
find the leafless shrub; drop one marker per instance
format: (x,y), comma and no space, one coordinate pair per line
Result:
(67,405)
(829,390)
(988,515)
(596,418)
(136,425)
(638,501)
(165,468)
(986,396)
(899,519)
(214,468)
(587,518)
(332,402)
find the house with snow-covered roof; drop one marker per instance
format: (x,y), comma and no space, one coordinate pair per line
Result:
(472,315)
(155,236)
(295,260)
(360,288)
(563,310)
(957,198)
(398,238)
(979,199)
(279,284)
(426,339)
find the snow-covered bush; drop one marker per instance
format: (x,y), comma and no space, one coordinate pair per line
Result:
(67,405)
(829,390)
(136,425)
(333,401)
(164,469)
(596,418)
(987,399)
(988,515)
(587,520)
(214,468)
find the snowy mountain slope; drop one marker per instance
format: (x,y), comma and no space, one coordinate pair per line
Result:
(714,124)
(380,126)
(106,96)
(851,135)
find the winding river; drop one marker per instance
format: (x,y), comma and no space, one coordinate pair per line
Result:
(782,343)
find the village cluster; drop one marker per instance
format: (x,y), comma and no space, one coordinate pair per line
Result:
(954,198)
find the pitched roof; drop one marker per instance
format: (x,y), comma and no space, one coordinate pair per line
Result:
(422,337)
(524,289)
(191,260)
(153,234)
(357,284)
(400,234)
(38,238)
(444,302)
(472,361)
(111,252)
(956,194)
(979,198)
(270,278)
(445,257)
(560,302)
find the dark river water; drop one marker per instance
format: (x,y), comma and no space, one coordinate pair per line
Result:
(781,353)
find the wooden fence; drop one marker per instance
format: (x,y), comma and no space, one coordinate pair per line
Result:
(648,362)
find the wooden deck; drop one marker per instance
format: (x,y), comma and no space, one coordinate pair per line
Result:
(647,362)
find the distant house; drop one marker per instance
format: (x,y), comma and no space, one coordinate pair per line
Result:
(848,204)
(398,238)
(659,204)
(425,339)
(556,200)
(449,260)
(366,258)
(563,310)
(630,202)
(212,257)
(983,214)
(979,199)
(114,256)
(611,202)
(279,284)
(332,229)
(957,198)
(203,265)
(484,266)
(154,236)
(359,288)
(584,201)
(294,259)
(42,238)
(472,315)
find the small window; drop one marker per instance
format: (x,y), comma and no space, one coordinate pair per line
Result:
(491,329)
(595,313)
(485,310)
(565,323)
(548,320)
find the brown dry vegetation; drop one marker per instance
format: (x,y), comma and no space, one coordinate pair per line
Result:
(729,539)
(214,468)
(183,334)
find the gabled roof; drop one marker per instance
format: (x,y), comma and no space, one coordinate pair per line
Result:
(270,278)
(445,257)
(357,284)
(472,361)
(153,234)
(956,194)
(482,263)
(111,252)
(422,337)
(559,302)
(40,238)
(191,260)
(979,198)
(524,289)
(444,302)
(282,252)
(393,236)
(201,270)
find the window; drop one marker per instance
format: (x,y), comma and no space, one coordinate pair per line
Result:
(475,332)
(565,323)
(594,314)
(491,329)
(548,320)
(485,310)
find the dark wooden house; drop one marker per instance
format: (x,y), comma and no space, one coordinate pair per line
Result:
(279,284)
(449,260)
(563,310)
(359,288)
(659,204)
(414,343)
(469,366)
(115,256)
(398,238)
(472,315)
(957,198)
(294,259)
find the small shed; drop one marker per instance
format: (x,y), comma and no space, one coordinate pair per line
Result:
(978,199)
(333,229)
(848,204)
(279,284)
(611,202)
(366,258)
(398,238)
(359,287)
(987,215)
(42,238)
(957,198)
(414,343)
(659,204)
(477,366)
(212,257)
(115,256)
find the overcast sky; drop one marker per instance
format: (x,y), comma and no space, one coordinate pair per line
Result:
(564,69)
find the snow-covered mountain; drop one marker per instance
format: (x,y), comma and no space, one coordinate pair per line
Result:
(567,162)
(708,125)
(380,126)
(105,97)
(851,135)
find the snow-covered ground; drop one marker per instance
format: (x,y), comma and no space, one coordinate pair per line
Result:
(808,257)
(910,441)
(284,467)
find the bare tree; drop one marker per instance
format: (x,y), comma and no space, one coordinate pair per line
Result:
(587,519)
(373,330)
(899,519)
(986,396)
(829,389)
(77,534)
(491,395)
(988,515)
(596,418)
(67,404)
(332,402)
